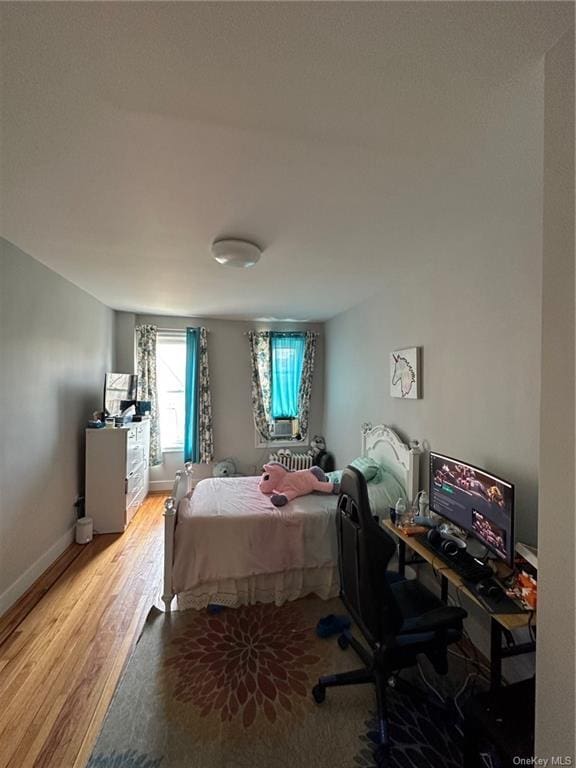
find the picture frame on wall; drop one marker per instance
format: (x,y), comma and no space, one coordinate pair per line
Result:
(405,373)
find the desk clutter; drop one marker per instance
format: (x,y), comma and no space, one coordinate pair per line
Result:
(504,619)
(466,518)
(515,593)
(455,556)
(494,597)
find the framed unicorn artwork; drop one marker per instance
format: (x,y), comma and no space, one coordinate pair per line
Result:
(405,373)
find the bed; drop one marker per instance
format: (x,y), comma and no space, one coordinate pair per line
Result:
(226,544)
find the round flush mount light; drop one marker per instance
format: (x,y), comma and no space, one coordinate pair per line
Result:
(236,253)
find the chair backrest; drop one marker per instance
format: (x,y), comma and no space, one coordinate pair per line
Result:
(364,552)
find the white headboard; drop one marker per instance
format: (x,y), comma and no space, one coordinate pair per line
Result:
(384,446)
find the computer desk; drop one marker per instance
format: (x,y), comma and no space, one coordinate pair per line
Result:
(501,624)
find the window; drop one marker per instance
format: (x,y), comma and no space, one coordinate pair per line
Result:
(171,380)
(287,360)
(282,367)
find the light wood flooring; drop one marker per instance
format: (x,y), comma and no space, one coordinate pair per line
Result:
(64,645)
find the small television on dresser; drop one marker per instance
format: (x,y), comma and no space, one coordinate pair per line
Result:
(120,391)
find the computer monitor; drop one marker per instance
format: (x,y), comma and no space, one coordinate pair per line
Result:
(474,500)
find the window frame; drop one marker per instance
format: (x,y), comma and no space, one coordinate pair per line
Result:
(280,442)
(173,336)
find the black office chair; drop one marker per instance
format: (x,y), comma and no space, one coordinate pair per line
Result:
(399,619)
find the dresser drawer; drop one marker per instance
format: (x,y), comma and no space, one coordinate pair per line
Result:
(135,502)
(135,481)
(134,457)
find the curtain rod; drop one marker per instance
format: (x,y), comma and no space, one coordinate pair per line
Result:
(245,333)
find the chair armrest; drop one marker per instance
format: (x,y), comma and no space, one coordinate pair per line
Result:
(445,617)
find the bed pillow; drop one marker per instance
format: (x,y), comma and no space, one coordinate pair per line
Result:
(385,494)
(370,468)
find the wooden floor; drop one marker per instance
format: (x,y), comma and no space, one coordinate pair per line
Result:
(64,646)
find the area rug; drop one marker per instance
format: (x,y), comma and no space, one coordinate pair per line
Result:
(232,690)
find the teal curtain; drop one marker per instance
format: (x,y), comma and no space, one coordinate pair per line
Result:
(191,442)
(287,352)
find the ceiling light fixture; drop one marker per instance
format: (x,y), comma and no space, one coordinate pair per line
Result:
(236,253)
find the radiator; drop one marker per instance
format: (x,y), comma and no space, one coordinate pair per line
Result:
(293,460)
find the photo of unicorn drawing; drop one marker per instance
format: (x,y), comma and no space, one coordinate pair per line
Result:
(404,373)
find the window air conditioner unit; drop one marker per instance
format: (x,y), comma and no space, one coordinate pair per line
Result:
(284,428)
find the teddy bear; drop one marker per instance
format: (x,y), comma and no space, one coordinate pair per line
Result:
(322,458)
(283,485)
(224,468)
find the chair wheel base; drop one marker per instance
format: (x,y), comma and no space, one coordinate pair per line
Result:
(318,693)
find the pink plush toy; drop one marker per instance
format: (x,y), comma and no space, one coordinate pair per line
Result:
(283,485)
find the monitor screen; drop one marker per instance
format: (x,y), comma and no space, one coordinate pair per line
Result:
(477,502)
(119,387)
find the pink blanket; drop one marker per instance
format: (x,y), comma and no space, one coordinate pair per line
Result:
(229,529)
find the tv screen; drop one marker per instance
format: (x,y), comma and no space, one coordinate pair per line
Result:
(119,387)
(474,500)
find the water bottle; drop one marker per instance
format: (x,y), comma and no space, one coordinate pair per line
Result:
(400,513)
(423,504)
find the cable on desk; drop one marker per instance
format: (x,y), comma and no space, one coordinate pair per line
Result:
(461,691)
(476,660)
(510,639)
(480,667)
(531,627)
(455,600)
(429,684)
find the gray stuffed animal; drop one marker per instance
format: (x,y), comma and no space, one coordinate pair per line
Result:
(224,468)
(322,458)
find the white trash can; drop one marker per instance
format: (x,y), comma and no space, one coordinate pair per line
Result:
(84,530)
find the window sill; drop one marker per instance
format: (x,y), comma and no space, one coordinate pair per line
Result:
(173,450)
(271,444)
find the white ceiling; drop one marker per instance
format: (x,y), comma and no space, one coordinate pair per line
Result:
(135,134)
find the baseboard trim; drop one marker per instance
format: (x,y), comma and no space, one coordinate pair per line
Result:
(14,592)
(160,485)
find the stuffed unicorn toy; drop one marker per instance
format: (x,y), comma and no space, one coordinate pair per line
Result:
(283,485)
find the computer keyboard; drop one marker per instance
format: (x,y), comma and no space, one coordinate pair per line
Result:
(463,563)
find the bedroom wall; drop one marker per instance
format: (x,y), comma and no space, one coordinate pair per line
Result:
(55,345)
(231,395)
(555,690)
(466,287)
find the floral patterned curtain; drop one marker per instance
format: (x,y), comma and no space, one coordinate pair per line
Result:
(306,381)
(261,396)
(147,390)
(205,430)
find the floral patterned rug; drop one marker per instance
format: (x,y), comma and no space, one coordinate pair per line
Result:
(232,690)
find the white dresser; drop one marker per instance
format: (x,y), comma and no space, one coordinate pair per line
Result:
(117,474)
